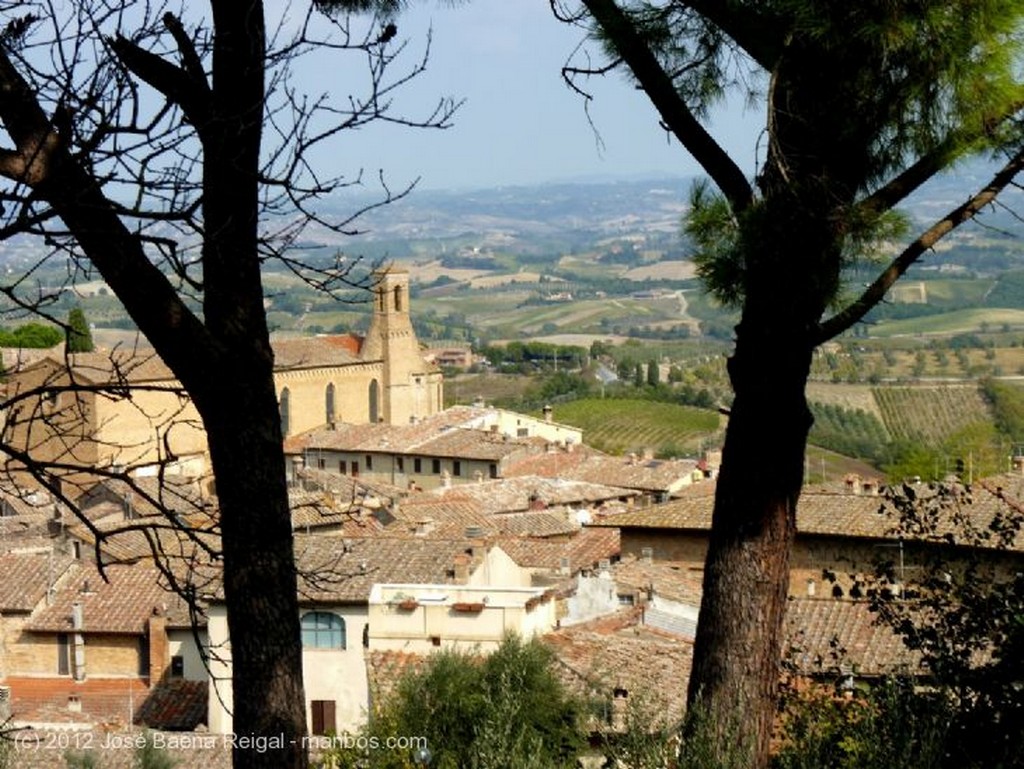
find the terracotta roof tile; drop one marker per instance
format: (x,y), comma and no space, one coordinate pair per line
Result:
(121,605)
(617,652)
(667,580)
(448,518)
(440,436)
(821,634)
(175,705)
(584,550)
(25,578)
(337,569)
(839,513)
(648,475)
(509,495)
(315,351)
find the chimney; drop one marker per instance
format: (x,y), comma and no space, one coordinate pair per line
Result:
(548,412)
(1018,464)
(77,624)
(5,704)
(424,526)
(631,458)
(648,454)
(812,588)
(461,568)
(536,503)
(853,484)
(159,646)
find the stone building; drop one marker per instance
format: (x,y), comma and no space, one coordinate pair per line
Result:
(123,408)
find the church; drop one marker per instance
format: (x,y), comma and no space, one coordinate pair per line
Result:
(123,409)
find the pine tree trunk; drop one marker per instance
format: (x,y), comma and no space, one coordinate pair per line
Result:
(735,672)
(259,578)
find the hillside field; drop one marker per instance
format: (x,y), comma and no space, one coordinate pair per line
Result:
(618,425)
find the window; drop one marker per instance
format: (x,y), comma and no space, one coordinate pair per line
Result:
(322,716)
(456,467)
(63,655)
(435,466)
(493,470)
(417,465)
(321,463)
(285,407)
(374,398)
(323,630)
(343,467)
(329,404)
(355,469)
(369,462)
(400,464)
(398,298)
(177,666)
(143,648)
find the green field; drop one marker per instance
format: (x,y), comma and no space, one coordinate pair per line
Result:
(955,322)
(619,426)
(930,415)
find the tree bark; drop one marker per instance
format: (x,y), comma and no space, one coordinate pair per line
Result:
(734,680)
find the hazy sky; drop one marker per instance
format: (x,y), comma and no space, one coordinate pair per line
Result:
(520,124)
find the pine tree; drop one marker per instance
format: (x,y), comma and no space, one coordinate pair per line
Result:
(79,335)
(864,102)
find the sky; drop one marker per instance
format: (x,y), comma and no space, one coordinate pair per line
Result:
(519,124)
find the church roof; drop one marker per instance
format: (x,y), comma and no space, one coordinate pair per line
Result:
(316,351)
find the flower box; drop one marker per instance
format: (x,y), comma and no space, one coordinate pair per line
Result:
(468,608)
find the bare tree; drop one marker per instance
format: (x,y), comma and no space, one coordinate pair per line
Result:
(173,157)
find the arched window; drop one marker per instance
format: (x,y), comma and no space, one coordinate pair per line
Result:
(374,396)
(323,630)
(329,403)
(286,411)
(398,298)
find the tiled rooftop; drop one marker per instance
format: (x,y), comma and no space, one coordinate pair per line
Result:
(821,634)
(181,544)
(511,495)
(316,351)
(143,496)
(336,511)
(25,578)
(647,475)
(667,580)
(584,550)
(432,437)
(340,569)
(617,652)
(119,365)
(835,513)
(143,365)
(449,518)
(121,604)
(172,705)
